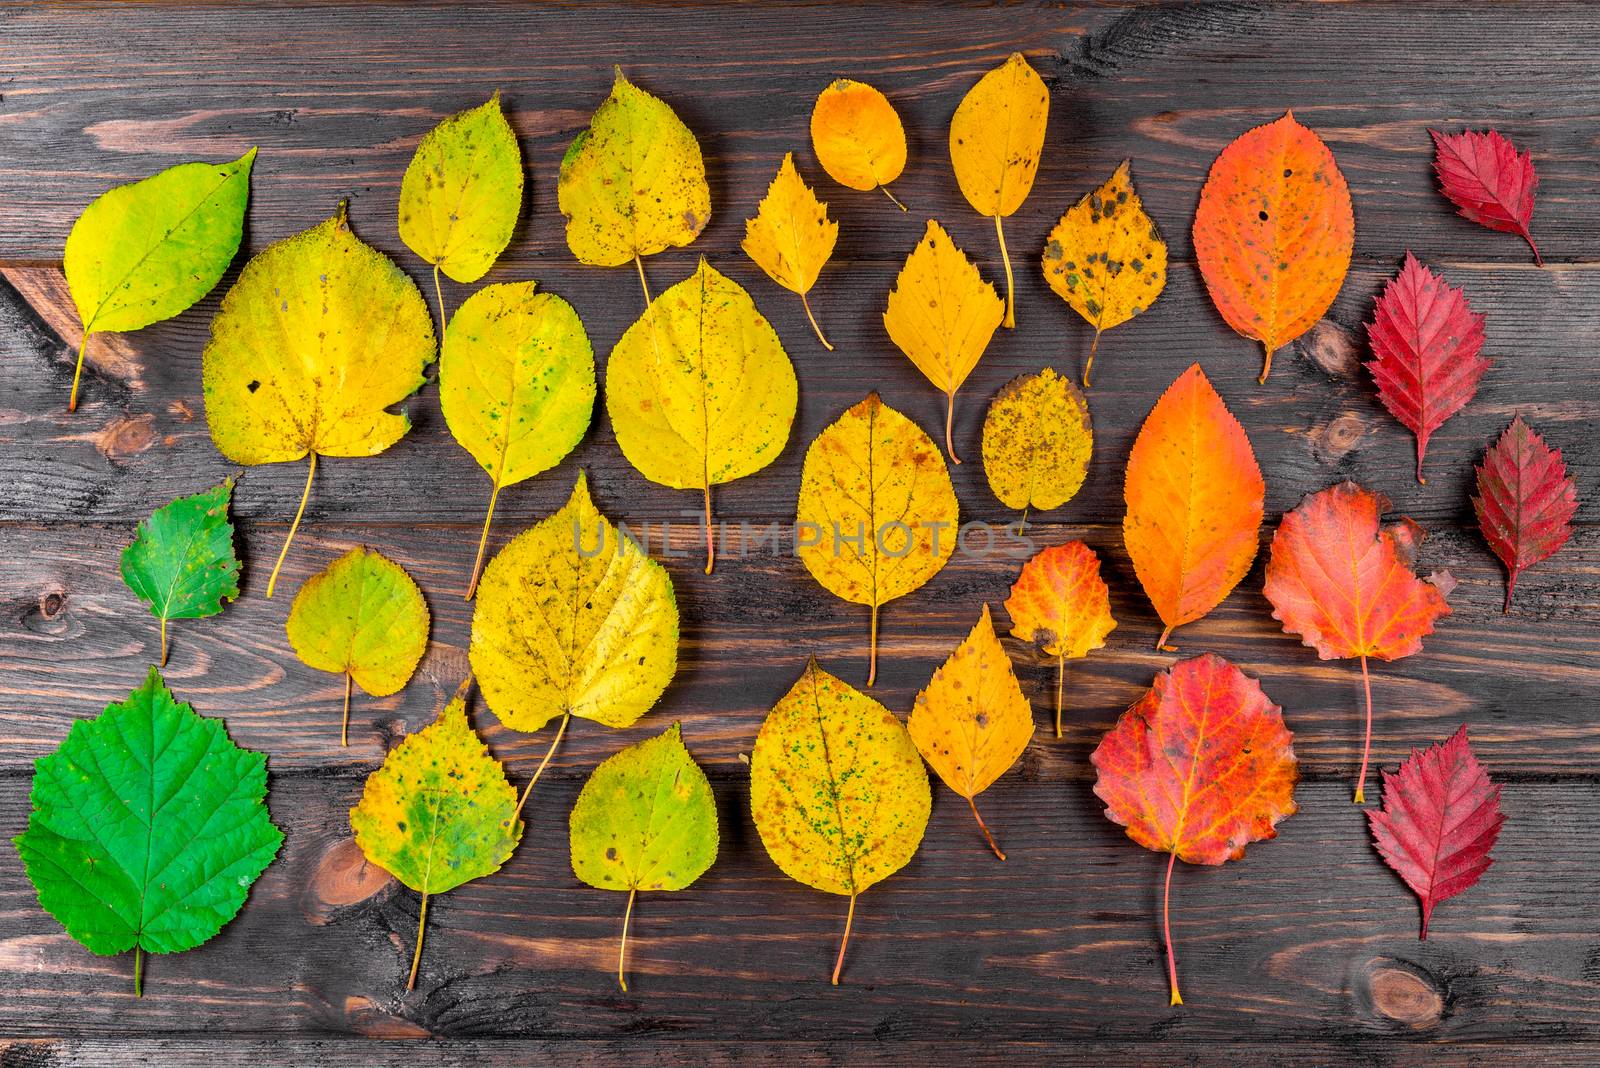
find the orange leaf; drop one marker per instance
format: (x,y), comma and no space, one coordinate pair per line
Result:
(1195,501)
(1344,584)
(1199,767)
(1273,233)
(1060,604)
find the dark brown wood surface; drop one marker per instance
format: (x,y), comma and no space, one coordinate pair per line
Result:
(1305,950)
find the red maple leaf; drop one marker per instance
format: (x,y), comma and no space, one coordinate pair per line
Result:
(1525,501)
(1485,176)
(1441,816)
(1426,339)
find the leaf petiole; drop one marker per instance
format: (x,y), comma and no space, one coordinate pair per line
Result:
(83,346)
(416,957)
(849,918)
(272,582)
(892,199)
(1011,299)
(1366,746)
(1166,929)
(565,719)
(1061,674)
(622,951)
(806,304)
(138,966)
(344,729)
(984,827)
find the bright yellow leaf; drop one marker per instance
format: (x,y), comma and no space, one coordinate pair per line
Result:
(791,236)
(857,137)
(1036,441)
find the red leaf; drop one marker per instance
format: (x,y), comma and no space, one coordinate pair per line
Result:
(1441,816)
(1492,184)
(1426,339)
(1525,501)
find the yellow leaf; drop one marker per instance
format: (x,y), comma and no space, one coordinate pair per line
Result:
(791,236)
(1061,605)
(1036,441)
(320,335)
(877,515)
(857,137)
(971,722)
(995,140)
(1106,258)
(699,389)
(942,314)
(837,790)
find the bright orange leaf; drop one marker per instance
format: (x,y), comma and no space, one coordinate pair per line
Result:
(1273,233)
(1060,604)
(1343,583)
(1198,768)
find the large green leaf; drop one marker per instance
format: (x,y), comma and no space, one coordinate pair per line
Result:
(148,827)
(182,562)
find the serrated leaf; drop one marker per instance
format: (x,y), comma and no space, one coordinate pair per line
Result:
(1273,233)
(837,790)
(1488,181)
(1106,258)
(857,136)
(699,389)
(148,827)
(320,335)
(1525,501)
(1060,604)
(1036,442)
(517,386)
(971,722)
(942,314)
(791,236)
(645,820)
(439,812)
(182,562)
(877,515)
(364,618)
(145,251)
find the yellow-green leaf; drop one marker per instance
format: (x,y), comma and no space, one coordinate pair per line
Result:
(838,792)
(364,618)
(439,812)
(1036,441)
(699,389)
(516,382)
(320,335)
(877,515)
(942,314)
(645,820)
(791,236)
(857,137)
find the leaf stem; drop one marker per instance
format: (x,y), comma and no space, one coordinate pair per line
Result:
(806,304)
(1005,257)
(1511,586)
(438,291)
(1266,367)
(1022,526)
(83,346)
(483,541)
(565,719)
(711,544)
(305,496)
(984,827)
(639,264)
(1366,746)
(849,918)
(138,966)
(622,952)
(416,957)
(1422,448)
(163,641)
(902,207)
(1166,930)
(1094,346)
(950,418)
(1528,237)
(1161,642)
(344,729)
(1061,674)
(872,648)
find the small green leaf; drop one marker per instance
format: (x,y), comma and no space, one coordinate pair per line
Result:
(182,562)
(148,827)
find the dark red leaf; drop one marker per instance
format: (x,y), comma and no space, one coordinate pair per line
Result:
(1525,501)
(1426,340)
(1492,184)
(1441,816)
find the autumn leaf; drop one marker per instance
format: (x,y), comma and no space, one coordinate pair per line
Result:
(1273,233)
(1426,340)
(877,515)
(517,385)
(364,618)
(1106,258)
(1525,501)
(838,792)
(1440,818)
(1488,180)
(1036,442)
(1344,585)
(996,136)
(1195,501)
(438,813)
(971,722)
(633,183)
(1197,768)
(699,389)
(1061,605)
(320,335)
(645,820)
(791,236)
(573,619)
(148,827)
(182,561)
(857,137)
(942,314)
(462,194)
(148,250)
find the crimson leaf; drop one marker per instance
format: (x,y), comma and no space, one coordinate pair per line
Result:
(1525,501)
(1485,176)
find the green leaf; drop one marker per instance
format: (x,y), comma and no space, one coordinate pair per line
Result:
(146,251)
(646,820)
(517,385)
(182,562)
(362,617)
(148,827)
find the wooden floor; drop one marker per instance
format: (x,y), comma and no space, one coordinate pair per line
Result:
(1307,948)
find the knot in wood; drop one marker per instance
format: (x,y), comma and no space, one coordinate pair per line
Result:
(1405,994)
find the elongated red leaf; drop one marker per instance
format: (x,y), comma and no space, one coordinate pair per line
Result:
(1427,341)
(1525,501)
(1485,176)
(1441,816)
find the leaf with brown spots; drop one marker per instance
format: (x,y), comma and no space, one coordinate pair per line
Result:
(1036,442)
(1061,605)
